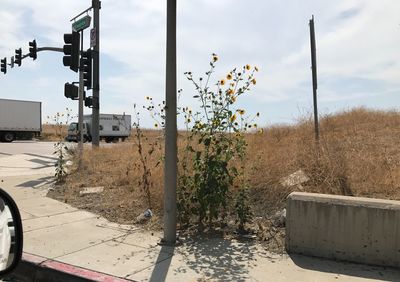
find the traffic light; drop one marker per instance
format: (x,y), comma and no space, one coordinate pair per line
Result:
(33,49)
(71,50)
(71,91)
(89,102)
(87,68)
(18,56)
(4,65)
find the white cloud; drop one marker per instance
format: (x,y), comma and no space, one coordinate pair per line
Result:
(356,39)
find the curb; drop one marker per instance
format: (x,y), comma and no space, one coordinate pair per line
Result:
(39,269)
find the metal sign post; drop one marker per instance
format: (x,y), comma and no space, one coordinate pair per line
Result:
(171,159)
(80,25)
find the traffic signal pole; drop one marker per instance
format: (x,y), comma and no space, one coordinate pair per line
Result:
(80,110)
(96,4)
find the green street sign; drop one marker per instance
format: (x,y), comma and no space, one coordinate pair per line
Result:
(81,24)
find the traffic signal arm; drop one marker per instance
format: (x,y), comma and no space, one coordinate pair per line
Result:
(19,57)
(55,49)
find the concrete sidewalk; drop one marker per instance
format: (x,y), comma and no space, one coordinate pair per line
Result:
(65,236)
(59,232)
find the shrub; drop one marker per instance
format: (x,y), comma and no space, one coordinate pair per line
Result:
(214,145)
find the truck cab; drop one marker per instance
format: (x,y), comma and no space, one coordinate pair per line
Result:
(73,133)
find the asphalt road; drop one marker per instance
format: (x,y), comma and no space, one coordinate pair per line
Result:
(26,158)
(26,147)
(32,157)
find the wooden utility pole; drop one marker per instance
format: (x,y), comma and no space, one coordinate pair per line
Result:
(171,159)
(314,76)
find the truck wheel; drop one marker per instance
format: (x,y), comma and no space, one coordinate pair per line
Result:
(8,137)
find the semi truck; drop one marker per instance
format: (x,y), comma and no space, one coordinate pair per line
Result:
(19,119)
(112,127)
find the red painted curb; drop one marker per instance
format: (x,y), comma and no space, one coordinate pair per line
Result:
(71,269)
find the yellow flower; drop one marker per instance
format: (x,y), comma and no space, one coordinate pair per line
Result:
(254,81)
(241,112)
(230,91)
(155,125)
(260,130)
(215,58)
(248,67)
(255,125)
(233,99)
(228,76)
(222,81)
(147,97)
(255,68)
(233,118)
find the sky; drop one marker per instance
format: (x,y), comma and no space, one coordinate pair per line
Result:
(358,53)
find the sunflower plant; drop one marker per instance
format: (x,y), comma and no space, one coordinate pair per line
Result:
(60,149)
(215,147)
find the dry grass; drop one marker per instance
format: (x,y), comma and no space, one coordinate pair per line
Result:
(116,168)
(358,155)
(52,132)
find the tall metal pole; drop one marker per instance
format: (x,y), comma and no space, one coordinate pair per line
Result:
(314,76)
(80,111)
(170,165)
(96,4)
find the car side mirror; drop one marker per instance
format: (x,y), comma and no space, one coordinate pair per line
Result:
(11,234)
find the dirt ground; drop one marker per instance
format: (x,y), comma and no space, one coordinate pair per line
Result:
(116,205)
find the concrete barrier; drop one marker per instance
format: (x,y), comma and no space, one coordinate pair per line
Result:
(344,228)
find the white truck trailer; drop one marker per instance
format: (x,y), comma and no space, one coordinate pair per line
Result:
(19,119)
(112,127)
